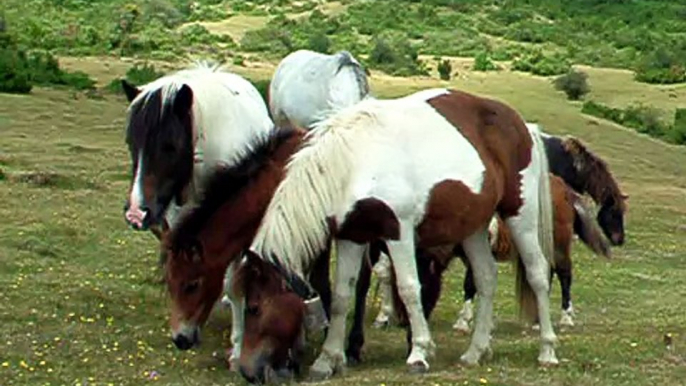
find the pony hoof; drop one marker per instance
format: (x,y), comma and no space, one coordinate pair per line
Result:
(548,362)
(418,367)
(566,321)
(225,301)
(353,359)
(536,327)
(461,326)
(469,360)
(381,323)
(232,361)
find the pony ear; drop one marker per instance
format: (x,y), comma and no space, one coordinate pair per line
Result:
(183,101)
(130,90)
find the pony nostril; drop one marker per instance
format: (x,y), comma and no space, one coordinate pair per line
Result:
(182,342)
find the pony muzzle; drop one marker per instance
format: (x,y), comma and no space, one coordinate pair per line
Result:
(315,315)
(186,338)
(136,216)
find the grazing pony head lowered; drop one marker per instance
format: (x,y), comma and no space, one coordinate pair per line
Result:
(601,185)
(212,234)
(160,139)
(274,321)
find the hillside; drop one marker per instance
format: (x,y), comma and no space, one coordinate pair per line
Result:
(81,300)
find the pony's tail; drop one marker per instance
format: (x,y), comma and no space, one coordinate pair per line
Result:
(528,306)
(585,227)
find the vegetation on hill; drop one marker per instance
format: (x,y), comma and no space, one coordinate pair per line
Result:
(541,36)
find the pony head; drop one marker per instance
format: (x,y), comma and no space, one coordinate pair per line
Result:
(194,283)
(160,139)
(275,318)
(611,218)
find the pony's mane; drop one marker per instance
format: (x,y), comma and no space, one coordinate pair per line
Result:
(600,183)
(294,229)
(223,185)
(346,59)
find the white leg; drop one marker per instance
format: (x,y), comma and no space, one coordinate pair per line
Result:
(537,273)
(478,250)
(348,262)
(465,317)
(409,289)
(382,269)
(237,318)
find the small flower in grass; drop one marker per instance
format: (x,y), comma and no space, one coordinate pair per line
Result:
(5,364)
(23,364)
(633,344)
(483,381)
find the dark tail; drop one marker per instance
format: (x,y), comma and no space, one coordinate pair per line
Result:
(587,230)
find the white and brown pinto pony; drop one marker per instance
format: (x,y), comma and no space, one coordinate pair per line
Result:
(308,86)
(429,169)
(182,128)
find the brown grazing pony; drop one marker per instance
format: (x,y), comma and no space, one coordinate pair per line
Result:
(436,165)
(587,173)
(211,236)
(570,216)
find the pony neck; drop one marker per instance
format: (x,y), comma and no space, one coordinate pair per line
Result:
(233,226)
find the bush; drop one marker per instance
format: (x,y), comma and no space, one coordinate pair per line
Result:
(262,85)
(644,119)
(482,62)
(678,133)
(319,42)
(15,76)
(445,69)
(393,54)
(139,74)
(602,111)
(14,72)
(663,66)
(540,64)
(574,84)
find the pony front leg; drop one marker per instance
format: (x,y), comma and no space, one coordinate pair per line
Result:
(237,318)
(402,253)
(382,269)
(332,358)
(484,272)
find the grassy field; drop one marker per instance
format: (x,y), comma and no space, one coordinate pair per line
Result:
(81,301)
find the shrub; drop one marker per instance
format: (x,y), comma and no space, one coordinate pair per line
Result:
(678,133)
(139,74)
(393,54)
(644,119)
(319,42)
(14,72)
(445,69)
(540,64)
(574,84)
(262,85)
(482,62)
(602,111)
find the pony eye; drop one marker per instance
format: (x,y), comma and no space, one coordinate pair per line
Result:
(191,287)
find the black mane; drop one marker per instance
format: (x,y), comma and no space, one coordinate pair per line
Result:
(146,113)
(225,184)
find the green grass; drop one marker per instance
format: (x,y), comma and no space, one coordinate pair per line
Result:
(81,302)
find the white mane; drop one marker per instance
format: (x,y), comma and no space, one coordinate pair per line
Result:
(229,115)
(294,229)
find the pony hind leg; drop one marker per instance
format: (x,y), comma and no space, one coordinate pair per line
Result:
(332,358)
(464,318)
(537,271)
(402,254)
(478,251)
(563,270)
(382,269)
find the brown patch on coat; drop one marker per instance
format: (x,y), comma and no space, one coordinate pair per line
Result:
(369,220)
(499,135)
